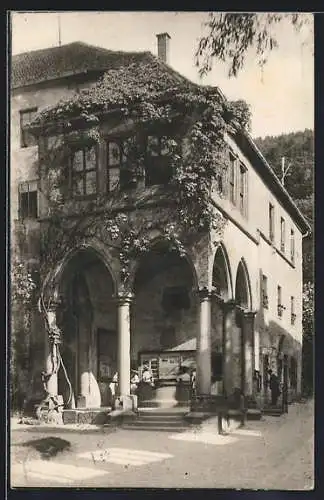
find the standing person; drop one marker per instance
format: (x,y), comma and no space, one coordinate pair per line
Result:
(274,387)
(134,381)
(147,375)
(183,375)
(113,387)
(193,383)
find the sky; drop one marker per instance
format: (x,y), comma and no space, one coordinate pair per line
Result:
(281,96)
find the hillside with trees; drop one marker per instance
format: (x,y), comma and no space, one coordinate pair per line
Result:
(297,149)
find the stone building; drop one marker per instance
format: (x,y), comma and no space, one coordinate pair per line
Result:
(231,304)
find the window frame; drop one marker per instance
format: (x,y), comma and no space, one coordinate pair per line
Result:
(292,310)
(292,245)
(121,166)
(84,172)
(243,189)
(264,291)
(232,178)
(282,235)
(162,165)
(24,134)
(21,192)
(280,307)
(271,222)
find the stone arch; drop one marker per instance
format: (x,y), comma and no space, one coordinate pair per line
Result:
(86,282)
(164,313)
(94,247)
(243,294)
(221,274)
(156,239)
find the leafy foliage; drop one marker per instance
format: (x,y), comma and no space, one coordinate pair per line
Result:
(308,310)
(22,284)
(231,36)
(145,96)
(23,288)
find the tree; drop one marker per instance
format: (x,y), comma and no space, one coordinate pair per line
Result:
(23,289)
(231,36)
(298,149)
(308,336)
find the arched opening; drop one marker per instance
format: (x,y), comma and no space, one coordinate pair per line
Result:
(164,314)
(242,287)
(88,323)
(221,274)
(221,283)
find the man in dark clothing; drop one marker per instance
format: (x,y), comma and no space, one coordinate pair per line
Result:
(274,387)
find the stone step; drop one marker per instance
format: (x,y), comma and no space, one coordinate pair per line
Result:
(274,412)
(163,403)
(96,416)
(159,422)
(158,416)
(156,428)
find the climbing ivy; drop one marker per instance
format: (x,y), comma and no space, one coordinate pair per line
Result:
(146,96)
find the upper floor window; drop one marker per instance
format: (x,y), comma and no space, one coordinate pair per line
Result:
(282,234)
(28,202)
(243,190)
(220,183)
(158,169)
(271,222)
(120,169)
(292,310)
(84,172)
(232,178)
(26,138)
(292,246)
(264,291)
(279,301)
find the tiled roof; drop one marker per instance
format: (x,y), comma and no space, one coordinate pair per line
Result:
(74,58)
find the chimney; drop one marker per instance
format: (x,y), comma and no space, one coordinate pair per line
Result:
(163,40)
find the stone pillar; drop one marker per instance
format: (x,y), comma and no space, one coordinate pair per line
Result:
(248,357)
(123,315)
(204,344)
(229,312)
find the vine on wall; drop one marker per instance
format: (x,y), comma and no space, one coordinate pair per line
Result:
(147,97)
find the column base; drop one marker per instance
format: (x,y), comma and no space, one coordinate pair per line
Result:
(126,403)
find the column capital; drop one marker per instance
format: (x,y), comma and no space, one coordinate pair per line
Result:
(203,293)
(218,298)
(230,305)
(123,298)
(249,314)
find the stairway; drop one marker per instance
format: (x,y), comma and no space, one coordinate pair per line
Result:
(169,420)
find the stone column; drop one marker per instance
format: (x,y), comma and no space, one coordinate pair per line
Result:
(248,358)
(123,315)
(229,312)
(204,344)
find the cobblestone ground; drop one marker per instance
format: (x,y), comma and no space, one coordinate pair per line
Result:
(275,453)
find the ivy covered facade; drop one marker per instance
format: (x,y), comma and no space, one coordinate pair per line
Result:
(154,244)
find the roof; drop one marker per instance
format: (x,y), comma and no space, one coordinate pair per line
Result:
(37,66)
